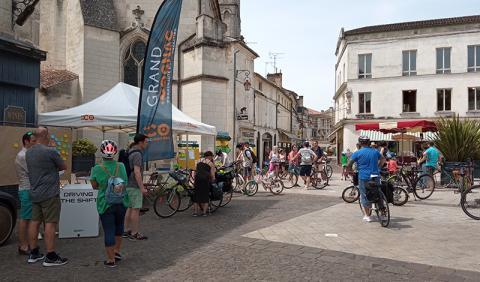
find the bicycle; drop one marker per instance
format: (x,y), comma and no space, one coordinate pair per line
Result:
(379,202)
(291,180)
(270,183)
(470,195)
(319,178)
(421,185)
(168,201)
(454,179)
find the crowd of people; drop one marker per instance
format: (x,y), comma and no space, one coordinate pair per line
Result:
(120,195)
(120,185)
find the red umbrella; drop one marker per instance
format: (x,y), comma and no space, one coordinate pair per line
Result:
(399,127)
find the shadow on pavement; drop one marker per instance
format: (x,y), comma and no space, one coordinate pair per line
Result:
(169,240)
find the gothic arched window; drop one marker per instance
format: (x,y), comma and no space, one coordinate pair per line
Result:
(133,63)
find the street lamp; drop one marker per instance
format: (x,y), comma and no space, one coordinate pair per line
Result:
(247,84)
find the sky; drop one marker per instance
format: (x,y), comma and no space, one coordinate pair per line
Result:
(306,32)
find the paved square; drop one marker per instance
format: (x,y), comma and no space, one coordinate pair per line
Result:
(434,231)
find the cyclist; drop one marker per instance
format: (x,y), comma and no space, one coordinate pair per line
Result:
(292,161)
(368,161)
(430,159)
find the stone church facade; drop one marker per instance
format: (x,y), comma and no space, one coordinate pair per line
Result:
(94,44)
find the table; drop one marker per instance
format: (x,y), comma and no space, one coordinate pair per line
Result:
(79,217)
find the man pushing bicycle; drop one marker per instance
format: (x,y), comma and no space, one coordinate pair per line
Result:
(369,161)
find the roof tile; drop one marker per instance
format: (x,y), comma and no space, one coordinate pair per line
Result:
(51,77)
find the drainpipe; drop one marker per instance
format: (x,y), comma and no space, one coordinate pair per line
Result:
(235,100)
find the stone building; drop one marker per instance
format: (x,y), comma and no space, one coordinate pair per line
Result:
(412,70)
(274,108)
(94,44)
(322,125)
(20,59)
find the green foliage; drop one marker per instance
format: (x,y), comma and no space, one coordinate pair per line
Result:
(458,139)
(84,148)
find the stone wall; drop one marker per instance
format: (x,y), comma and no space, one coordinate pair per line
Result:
(102,67)
(59,97)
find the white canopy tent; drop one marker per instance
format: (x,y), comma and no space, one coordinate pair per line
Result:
(117,109)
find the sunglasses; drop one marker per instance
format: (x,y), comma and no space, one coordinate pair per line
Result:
(29,133)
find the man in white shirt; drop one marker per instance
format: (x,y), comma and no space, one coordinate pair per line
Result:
(24,193)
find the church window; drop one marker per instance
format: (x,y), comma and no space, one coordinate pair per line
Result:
(133,63)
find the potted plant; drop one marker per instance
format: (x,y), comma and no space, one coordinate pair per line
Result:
(83,155)
(458,140)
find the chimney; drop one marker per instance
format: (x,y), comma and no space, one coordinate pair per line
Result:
(275,78)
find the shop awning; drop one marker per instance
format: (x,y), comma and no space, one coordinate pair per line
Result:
(379,136)
(289,136)
(399,126)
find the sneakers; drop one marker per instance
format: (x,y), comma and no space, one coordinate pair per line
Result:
(137,237)
(118,257)
(367,218)
(127,234)
(109,264)
(35,257)
(55,260)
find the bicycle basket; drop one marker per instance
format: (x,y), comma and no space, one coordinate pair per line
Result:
(181,178)
(226,175)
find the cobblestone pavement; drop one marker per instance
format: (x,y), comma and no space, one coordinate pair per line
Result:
(215,248)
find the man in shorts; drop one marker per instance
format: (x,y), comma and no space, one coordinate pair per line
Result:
(24,194)
(307,159)
(135,188)
(369,161)
(44,164)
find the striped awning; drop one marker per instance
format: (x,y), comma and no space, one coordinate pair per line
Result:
(378,136)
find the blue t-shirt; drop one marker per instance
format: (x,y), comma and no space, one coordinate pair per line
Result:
(367,162)
(432,157)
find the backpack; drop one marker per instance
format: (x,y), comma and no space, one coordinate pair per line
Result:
(254,157)
(307,157)
(123,157)
(116,189)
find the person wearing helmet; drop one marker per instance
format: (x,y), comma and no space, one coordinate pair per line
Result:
(368,161)
(221,159)
(112,215)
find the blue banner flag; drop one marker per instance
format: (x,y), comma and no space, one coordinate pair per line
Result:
(155,105)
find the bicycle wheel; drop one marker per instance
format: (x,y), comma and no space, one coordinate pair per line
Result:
(276,187)
(350,194)
(251,188)
(167,204)
(400,196)
(329,171)
(382,211)
(424,187)
(185,200)
(227,197)
(470,202)
(290,181)
(213,205)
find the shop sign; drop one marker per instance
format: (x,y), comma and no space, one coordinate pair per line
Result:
(13,115)
(248,134)
(242,117)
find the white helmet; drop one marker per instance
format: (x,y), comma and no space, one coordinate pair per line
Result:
(108,148)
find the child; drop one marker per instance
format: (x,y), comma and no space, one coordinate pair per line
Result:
(392,166)
(344,162)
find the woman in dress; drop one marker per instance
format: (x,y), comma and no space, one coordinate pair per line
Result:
(204,177)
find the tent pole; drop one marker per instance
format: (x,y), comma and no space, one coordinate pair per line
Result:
(186,165)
